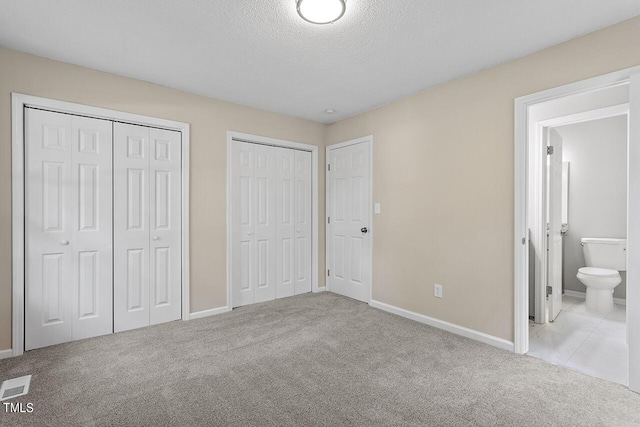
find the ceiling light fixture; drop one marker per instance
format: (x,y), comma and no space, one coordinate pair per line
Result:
(321,11)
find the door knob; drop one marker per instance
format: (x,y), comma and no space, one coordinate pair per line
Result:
(249,233)
(364,229)
(298,230)
(64,242)
(156,238)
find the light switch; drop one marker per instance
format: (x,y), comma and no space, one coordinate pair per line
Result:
(376,208)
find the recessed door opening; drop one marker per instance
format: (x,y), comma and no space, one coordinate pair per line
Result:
(576,288)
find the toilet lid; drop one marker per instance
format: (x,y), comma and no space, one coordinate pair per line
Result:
(598,272)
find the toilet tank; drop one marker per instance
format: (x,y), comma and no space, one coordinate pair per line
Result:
(605,252)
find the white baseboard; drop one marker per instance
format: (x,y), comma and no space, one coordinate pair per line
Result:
(207,313)
(441,324)
(582,295)
(319,289)
(5,354)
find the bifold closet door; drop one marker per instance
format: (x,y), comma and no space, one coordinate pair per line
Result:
(147,226)
(253,223)
(270,222)
(68,228)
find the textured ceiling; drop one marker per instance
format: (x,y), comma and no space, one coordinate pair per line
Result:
(261,54)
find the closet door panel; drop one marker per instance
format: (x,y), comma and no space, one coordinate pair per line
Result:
(242,223)
(48,228)
(285,230)
(131,226)
(302,218)
(91,241)
(264,257)
(165,257)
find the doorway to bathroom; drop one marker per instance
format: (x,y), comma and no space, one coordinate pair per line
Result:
(579,318)
(577,164)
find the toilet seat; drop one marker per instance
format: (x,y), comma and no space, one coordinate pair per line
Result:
(598,272)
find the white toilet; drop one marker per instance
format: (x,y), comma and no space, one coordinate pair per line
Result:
(605,258)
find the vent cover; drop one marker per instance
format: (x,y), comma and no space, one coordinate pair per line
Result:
(15,387)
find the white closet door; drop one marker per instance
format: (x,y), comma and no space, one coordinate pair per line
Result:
(242,223)
(265,223)
(92,237)
(49,264)
(303,206)
(285,222)
(68,228)
(131,227)
(165,224)
(270,216)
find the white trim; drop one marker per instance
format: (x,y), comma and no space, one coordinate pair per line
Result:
(210,312)
(256,139)
(585,116)
(320,289)
(18,103)
(445,326)
(583,295)
(368,139)
(5,354)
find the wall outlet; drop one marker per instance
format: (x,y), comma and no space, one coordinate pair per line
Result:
(437,291)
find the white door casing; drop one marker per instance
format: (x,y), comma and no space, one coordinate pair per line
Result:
(555,224)
(349,219)
(633,235)
(68,281)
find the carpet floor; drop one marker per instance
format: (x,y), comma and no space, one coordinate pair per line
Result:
(308,360)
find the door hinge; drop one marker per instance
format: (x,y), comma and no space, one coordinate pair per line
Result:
(328,220)
(550,149)
(549,290)
(329,167)
(328,272)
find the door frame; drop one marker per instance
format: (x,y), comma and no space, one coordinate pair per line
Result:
(523,165)
(263,140)
(542,127)
(369,141)
(18,103)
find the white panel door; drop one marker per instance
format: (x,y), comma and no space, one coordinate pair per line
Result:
(270,220)
(265,223)
(68,228)
(92,232)
(242,223)
(131,227)
(303,208)
(348,207)
(165,253)
(48,227)
(285,222)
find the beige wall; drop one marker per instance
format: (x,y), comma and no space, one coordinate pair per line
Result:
(443,172)
(210,119)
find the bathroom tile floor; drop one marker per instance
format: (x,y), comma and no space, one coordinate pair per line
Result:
(592,343)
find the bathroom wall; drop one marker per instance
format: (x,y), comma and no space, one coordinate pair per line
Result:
(597,151)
